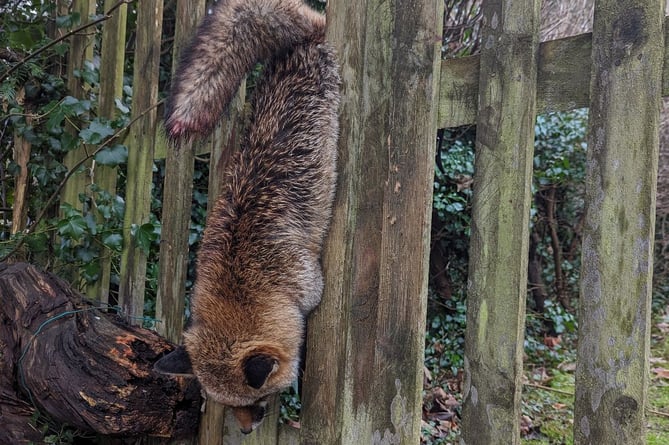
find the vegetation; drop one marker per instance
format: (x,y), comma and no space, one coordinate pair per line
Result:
(552,291)
(39,112)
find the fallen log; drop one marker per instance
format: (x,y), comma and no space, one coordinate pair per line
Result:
(81,366)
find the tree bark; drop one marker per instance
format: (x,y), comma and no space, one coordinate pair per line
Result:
(81,366)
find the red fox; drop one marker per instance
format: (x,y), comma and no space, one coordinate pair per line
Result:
(258,267)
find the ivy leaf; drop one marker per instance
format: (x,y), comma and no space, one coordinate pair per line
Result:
(71,106)
(55,123)
(96,132)
(91,269)
(112,156)
(68,21)
(144,235)
(121,106)
(113,241)
(72,227)
(86,254)
(62,48)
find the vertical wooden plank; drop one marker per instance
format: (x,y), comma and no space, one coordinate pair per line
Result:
(178,191)
(500,223)
(81,49)
(140,155)
(617,254)
(112,59)
(21,153)
(363,377)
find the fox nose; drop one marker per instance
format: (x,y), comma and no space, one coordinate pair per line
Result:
(246,430)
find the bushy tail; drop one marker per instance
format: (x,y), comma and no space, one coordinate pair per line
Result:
(229,42)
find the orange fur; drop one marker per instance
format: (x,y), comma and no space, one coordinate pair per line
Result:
(258,269)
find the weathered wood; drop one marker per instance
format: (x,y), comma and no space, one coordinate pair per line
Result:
(111,87)
(497,284)
(363,377)
(21,152)
(80,366)
(140,156)
(617,253)
(562,85)
(178,187)
(81,49)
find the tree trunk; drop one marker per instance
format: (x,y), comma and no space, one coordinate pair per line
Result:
(81,366)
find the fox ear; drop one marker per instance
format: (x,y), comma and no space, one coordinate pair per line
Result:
(176,362)
(257,368)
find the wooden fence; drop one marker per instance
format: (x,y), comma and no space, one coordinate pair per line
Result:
(364,369)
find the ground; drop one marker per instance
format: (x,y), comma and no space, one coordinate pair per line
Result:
(548,395)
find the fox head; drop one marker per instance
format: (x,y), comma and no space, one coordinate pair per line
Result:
(239,375)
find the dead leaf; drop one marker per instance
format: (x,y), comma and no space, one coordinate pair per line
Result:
(661,373)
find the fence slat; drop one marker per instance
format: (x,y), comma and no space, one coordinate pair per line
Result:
(111,87)
(140,156)
(177,202)
(364,370)
(500,223)
(81,50)
(563,80)
(617,254)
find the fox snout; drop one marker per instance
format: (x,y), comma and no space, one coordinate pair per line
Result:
(249,417)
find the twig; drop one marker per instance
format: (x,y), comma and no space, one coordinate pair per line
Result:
(76,30)
(548,388)
(657,413)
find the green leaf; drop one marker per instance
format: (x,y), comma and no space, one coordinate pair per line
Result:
(91,267)
(22,38)
(68,21)
(37,242)
(54,124)
(72,106)
(113,241)
(62,48)
(121,106)
(144,235)
(112,156)
(73,227)
(96,132)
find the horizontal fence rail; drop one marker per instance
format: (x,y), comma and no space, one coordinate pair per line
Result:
(563,80)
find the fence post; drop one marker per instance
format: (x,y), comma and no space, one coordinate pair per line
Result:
(111,87)
(498,261)
(140,155)
(617,254)
(177,202)
(81,50)
(364,368)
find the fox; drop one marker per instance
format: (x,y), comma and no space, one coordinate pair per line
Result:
(258,269)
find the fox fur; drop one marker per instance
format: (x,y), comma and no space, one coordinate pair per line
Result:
(258,267)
